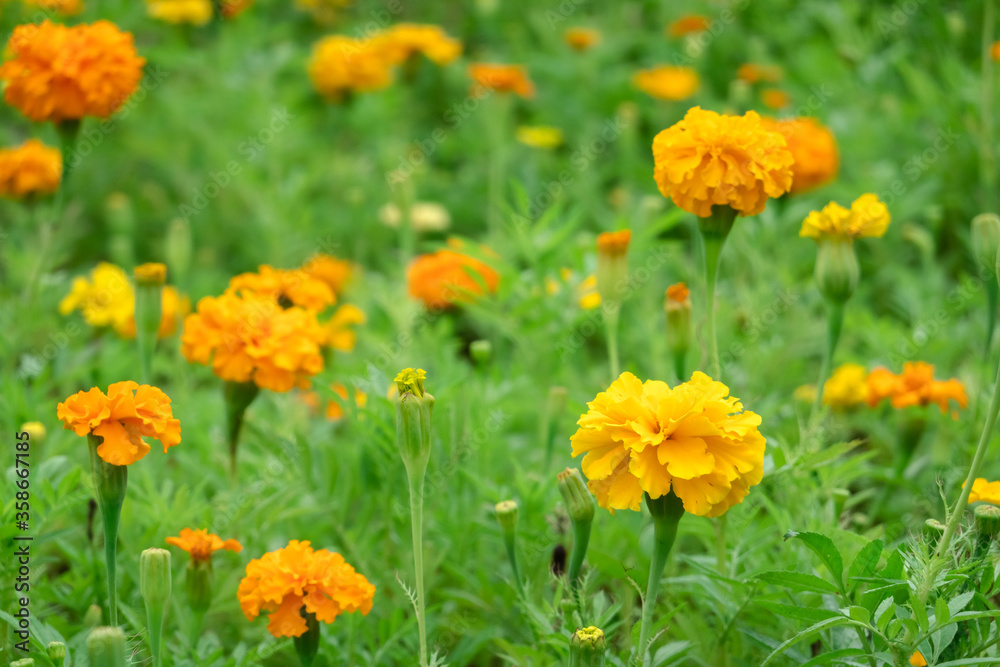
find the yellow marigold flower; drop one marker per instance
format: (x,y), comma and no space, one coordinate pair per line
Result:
(153,273)
(106,299)
(916,386)
(250,338)
(687,25)
(342,64)
(31,169)
(58,73)
(752,73)
(678,293)
(411,380)
(334,410)
(124,416)
(446,277)
(984,491)
(867,217)
(425,216)
(582,39)
(708,159)
(282,582)
(333,271)
(847,387)
(814,150)
(917,660)
(693,439)
(193,12)
(539,136)
(405,40)
(201,544)
(286,287)
(775,98)
(339,335)
(61,7)
(667,82)
(503,78)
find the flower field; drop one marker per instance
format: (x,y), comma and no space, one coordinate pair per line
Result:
(381,333)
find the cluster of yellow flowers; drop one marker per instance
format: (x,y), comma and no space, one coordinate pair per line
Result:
(852,385)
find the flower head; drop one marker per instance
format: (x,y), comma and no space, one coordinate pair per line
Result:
(708,159)
(814,150)
(336,273)
(693,439)
(201,544)
(582,39)
(687,25)
(847,387)
(31,169)
(343,64)
(868,216)
(153,273)
(916,386)
(667,82)
(917,660)
(678,293)
(250,338)
(286,287)
(405,40)
(193,12)
(503,78)
(411,380)
(282,582)
(984,491)
(124,416)
(57,73)
(446,277)
(539,136)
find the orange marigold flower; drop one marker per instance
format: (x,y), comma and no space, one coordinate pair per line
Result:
(688,24)
(814,150)
(446,277)
(582,39)
(917,659)
(752,73)
(201,544)
(775,98)
(915,386)
(124,416)
(867,217)
(286,287)
(614,244)
(193,12)
(678,293)
(31,169)
(667,82)
(282,582)
(693,439)
(251,338)
(405,40)
(333,271)
(342,64)
(708,159)
(58,73)
(503,78)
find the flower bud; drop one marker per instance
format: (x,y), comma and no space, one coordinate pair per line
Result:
(481,351)
(36,432)
(413,419)
(178,248)
(837,270)
(23,662)
(106,647)
(678,308)
(507,512)
(986,241)
(587,647)
(612,266)
(110,480)
(154,577)
(576,495)
(198,584)
(933,530)
(93,616)
(56,652)
(987,522)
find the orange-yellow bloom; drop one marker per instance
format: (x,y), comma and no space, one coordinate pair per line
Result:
(917,659)
(678,293)
(539,136)
(984,491)
(995,50)
(282,582)
(847,387)
(614,244)
(286,287)
(61,7)
(814,150)
(667,82)
(193,12)
(752,73)
(252,338)
(503,78)
(342,64)
(201,544)
(687,25)
(57,73)
(916,386)
(405,40)
(333,271)
(582,39)
(339,334)
(775,98)
(693,439)
(867,217)
(31,169)
(708,159)
(232,8)
(124,416)
(444,278)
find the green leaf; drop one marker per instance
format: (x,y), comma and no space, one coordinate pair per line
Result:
(959,602)
(798,581)
(866,561)
(833,656)
(807,614)
(919,615)
(859,614)
(941,612)
(885,613)
(827,551)
(811,630)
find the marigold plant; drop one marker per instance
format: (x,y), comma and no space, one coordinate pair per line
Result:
(405,40)
(503,78)
(582,39)
(335,272)
(341,65)
(61,7)
(667,82)
(984,491)
(915,386)
(286,287)
(446,277)
(814,150)
(847,387)
(687,25)
(192,12)
(867,217)
(201,544)
(30,170)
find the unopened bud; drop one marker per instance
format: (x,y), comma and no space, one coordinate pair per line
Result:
(987,521)
(106,647)
(507,512)
(198,584)
(837,270)
(154,577)
(933,530)
(413,419)
(576,495)
(612,266)
(481,351)
(56,652)
(986,241)
(587,647)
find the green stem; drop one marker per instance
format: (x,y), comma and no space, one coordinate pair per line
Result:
(148,313)
(611,316)
(679,356)
(110,482)
(498,139)
(416,523)
(720,544)
(239,396)
(194,630)
(581,538)
(154,626)
(307,644)
(834,322)
(987,154)
(714,231)
(992,295)
(667,511)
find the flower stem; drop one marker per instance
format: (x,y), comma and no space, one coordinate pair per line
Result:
(154,626)
(834,322)
(239,396)
(611,313)
(720,544)
(416,479)
(667,512)
(714,231)
(307,644)
(497,121)
(987,154)
(992,297)
(109,484)
(977,461)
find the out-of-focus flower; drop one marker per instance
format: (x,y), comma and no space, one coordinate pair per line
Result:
(323,11)
(124,416)
(678,293)
(61,7)
(193,12)
(995,51)
(250,338)
(814,150)
(230,9)
(847,387)
(446,277)
(425,216)
(201,544)
(151,273)
(693,439)
(286,287)
(587,294)
(30,170)
(805,393)
(335,272)
(917,659)
(708,159)
(752,73)
(687,25)
(339,334)
(984,491)
(343,64)
(667,82)
(867,217)
(775,98)
(56,73)
(582,39)
(503,78)
(405,40)
(35,430)
(334,409)
(916,386)
(285,581)
(539,136)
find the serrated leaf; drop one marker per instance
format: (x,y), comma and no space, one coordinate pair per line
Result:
(798,581)
(807,614)
(866,561)
(823,546)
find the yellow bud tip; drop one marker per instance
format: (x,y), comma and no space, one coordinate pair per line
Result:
(411,380)
(589,638)
(151,273)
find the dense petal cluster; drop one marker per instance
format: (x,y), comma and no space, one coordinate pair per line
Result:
(984,491)
(693,439)
(503,78)
(868,216)
(192,12)
(286,287)
(708,159)
(814,150)
(847,387)
(916,386)
(201,544)
(32,169)
(667,82)
(405,40)
(446,277)
(57,73)
(678,293)
(124,416)
(333,271)
(342,65)
(282,582)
